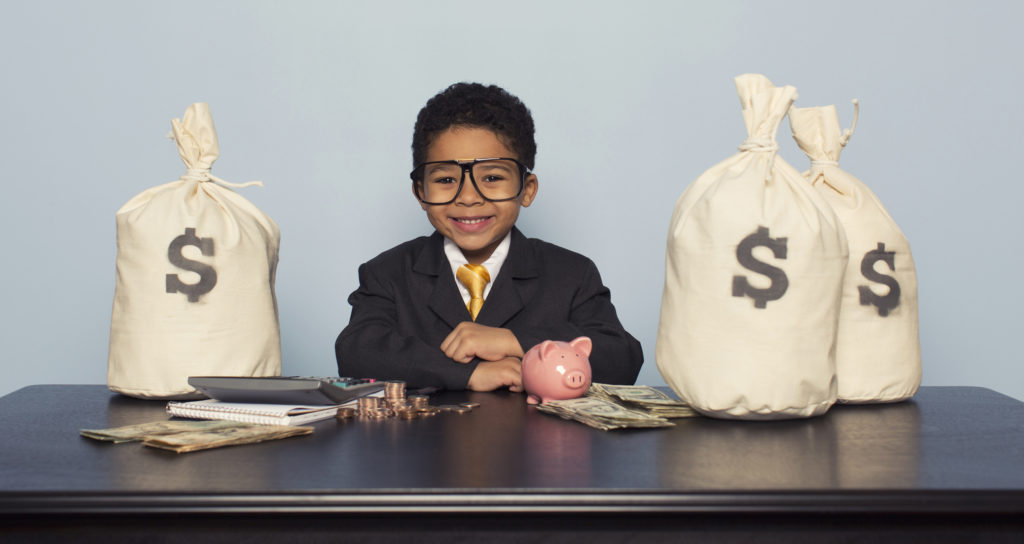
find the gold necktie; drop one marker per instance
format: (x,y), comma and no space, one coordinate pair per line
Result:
(474,277)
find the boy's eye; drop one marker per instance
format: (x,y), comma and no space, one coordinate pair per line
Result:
(442,180)
(493,171)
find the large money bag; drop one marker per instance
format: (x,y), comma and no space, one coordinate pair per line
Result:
(878,352)
(753,275)
(194,292)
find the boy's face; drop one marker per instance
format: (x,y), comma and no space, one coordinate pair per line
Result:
(476,225)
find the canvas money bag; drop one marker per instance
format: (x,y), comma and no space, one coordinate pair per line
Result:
(753,275)
(194,292)
(878,352)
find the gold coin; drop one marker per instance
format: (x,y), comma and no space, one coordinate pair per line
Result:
(449,407)
(408,414)
(394,389)
(346,413)
(418,401)
(470,405)
(368,403)
(462,409)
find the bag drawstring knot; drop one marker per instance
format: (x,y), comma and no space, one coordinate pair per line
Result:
(762,144)
(203,174)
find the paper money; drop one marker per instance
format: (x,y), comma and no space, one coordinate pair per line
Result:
(203,440)
(602,414)
(186,436)
(139,432)
(642,397)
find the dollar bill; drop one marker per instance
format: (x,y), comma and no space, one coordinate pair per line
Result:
(642,397)
(186,436)
(602,414)
(245,434)
(139,432)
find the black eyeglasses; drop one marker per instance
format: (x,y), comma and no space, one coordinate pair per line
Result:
(496,179)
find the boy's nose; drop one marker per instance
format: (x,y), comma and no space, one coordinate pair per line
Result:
(468,194)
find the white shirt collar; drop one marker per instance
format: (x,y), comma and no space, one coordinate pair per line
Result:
(492,264)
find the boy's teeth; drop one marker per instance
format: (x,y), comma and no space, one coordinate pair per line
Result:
(471,221)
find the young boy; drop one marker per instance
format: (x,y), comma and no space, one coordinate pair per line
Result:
(415,316)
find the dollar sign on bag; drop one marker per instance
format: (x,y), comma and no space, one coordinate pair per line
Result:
(745,256)
(867,268)
(207,275)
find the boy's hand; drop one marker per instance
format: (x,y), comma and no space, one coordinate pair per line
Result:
(491,375)
(470,340)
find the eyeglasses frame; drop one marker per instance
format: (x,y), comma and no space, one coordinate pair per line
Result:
(467,166)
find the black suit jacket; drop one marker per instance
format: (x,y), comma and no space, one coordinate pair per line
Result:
(407,303)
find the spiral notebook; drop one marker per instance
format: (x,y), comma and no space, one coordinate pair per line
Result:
(260,414)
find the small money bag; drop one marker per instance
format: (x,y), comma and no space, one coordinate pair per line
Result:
(878,352)
(194,292)
(753,274)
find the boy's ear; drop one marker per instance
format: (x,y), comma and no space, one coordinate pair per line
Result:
(529,190)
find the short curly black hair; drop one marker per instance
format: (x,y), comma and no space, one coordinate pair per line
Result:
(476,105)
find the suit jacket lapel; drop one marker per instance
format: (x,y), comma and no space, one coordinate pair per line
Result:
(445,300)
(513,286)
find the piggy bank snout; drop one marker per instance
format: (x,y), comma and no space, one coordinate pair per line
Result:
(575,379)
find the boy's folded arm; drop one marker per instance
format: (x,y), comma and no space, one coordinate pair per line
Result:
(491,375)
(471,340)
(370,346)
(376,351)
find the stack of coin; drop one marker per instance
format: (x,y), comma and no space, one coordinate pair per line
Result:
(394,394)
(407,413)
(395,403)
(427,411)
(370,408)
(346,412)
(418,401)
(367,404)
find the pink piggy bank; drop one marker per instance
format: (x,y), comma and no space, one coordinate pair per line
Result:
(554,370)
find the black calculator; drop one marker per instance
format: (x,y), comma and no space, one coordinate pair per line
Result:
(285,389)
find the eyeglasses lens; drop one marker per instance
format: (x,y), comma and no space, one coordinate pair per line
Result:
(496,179)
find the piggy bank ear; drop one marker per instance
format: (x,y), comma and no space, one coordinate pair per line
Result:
(547,349)
(582,345)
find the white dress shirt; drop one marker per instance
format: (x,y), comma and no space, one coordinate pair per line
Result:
(492,264)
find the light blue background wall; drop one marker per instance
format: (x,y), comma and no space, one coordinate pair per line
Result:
(632,101)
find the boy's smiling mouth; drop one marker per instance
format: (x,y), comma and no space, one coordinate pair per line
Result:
(472,224)
(471,220)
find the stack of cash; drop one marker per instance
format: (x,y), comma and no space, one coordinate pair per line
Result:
(141,431)
(602,414)
(186,436)
(642,397)
(204,440)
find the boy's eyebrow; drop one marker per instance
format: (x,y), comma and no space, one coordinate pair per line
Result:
(493,165)
(441,165)
(458,163)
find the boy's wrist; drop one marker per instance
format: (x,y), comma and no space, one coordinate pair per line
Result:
(459,377)
(491,375)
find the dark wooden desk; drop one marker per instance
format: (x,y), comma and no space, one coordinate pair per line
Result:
(948,466)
